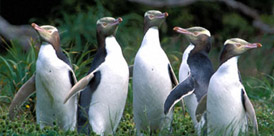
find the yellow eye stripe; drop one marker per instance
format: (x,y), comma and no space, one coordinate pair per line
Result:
(199,30)
(235,41)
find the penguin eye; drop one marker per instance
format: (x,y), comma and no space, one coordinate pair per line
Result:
(195,33)
(151,16)
(104,24)
(238,45)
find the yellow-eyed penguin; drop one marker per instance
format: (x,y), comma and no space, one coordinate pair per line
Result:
(104,90)
(227,104)
(153,78)
(195,71)
(53,79)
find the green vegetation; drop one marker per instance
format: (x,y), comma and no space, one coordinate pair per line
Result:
(78,38)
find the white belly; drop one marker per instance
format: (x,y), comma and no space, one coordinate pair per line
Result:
(225,111)
(151,86)
(52,85)
(109,99)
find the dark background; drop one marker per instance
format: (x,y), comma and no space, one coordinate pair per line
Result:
(76,19)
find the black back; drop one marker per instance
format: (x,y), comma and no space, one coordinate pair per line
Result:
(98,59)
(63,57)
(83,125)
(71,78)
(201,70)
(100,54)
(243,98)
(86,95)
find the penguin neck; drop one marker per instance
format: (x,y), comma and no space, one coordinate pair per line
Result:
(49,49)
(230,66)
(202,47)
(100,40)
(112,45)
(45,45)
(187,52)
(151,37)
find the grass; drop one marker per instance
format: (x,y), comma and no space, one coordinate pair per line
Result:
(25,125)
(78,38)
(20,66)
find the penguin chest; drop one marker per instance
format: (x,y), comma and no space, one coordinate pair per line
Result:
(52,85)
(224,103)
(114,74)
(114,79)
(151,86)
(52,74)
(184,71)
(150,75)
(108,100)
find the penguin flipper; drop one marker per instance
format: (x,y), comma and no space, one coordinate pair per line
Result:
(130,68)
(175,83)
(201,108)
(183,89)
(20,97)
(250,111)
(80,85)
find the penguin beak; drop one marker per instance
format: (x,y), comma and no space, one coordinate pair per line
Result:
(253,45)
(163,15)
(42,32)
(182,31)
(117,21)
(242,47)
(38,28)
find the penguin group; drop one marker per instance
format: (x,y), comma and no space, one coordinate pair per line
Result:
(216,101)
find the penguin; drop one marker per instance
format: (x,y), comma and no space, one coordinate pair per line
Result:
(195,71)
(104,89)
(153,78)
(53,79)
(227,105)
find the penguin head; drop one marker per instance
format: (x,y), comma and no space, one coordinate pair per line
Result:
(107,26)
(235,47)
(48,34)
(198,36)
(154,18)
